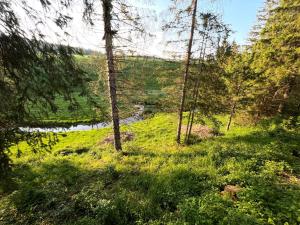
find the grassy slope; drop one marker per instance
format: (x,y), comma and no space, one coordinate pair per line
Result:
(144,79)
(86,112)
(158,182)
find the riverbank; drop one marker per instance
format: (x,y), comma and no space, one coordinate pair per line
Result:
(137,116)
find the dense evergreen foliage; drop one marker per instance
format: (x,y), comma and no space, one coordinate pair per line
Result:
(276,58)
(32,71)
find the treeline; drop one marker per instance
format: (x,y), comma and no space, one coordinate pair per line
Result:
(259,81)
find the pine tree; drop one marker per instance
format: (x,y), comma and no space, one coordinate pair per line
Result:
(116,14)
(108,36)
(32,72)
(276,57)
(187,68)
(207,77)
(239,78)
(200,32)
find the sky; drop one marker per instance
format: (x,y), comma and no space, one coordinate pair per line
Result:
(239,14)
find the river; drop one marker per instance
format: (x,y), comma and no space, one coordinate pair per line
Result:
(84,127)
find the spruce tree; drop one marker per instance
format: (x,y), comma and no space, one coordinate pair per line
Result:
(32,73)
(276,58)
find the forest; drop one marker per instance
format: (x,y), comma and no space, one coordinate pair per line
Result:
(206,132)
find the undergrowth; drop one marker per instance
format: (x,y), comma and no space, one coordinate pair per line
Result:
(83,181)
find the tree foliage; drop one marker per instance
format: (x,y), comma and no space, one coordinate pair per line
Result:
(32,72)
(276,58)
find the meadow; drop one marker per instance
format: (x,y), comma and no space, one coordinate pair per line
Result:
(83,181)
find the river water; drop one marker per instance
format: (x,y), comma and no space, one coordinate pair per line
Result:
(83,127)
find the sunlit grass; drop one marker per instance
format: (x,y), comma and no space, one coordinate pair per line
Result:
(156,181)
(146,76)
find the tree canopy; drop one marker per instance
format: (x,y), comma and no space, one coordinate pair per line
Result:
(32,72)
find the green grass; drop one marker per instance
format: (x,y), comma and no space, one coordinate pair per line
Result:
(85,113)
(157,181)
(141,81)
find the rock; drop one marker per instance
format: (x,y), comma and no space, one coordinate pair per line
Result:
(231,191)
(125,137)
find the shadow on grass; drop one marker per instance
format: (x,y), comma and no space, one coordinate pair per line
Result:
(277,145)
(60,192)
(265,137)
(138,152)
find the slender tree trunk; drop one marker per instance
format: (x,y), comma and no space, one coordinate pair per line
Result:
(285,98)
(232,111)
(193,112)
(189,117)
(234,104)
(196,94)
(108,37)
(186,73)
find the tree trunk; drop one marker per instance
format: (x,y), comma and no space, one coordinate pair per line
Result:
(196,91)
(186,140)
(285,98)
(231,115)
(234,104)
(189,117)
(108,37)
(186,73)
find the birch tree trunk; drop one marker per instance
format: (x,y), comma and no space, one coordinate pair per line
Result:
(108,37)
(186,73)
